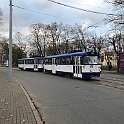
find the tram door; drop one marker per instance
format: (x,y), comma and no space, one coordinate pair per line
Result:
(24,64)
(53,66)
(35,65)
(77,67)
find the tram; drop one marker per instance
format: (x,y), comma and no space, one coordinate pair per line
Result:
(78,65)
(34,64)
(83,65)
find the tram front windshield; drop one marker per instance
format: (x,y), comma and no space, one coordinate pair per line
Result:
(89,60)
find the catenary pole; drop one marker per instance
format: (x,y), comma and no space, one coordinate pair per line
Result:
(10,41)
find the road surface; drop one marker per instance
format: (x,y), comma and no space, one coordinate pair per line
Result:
(71,101)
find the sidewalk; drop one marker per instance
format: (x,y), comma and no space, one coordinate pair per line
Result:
(14,105)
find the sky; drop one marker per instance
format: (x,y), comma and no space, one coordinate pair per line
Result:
(44,11)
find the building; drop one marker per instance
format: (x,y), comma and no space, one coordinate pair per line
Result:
(109,57)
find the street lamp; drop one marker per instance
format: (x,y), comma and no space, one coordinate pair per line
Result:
(10,41)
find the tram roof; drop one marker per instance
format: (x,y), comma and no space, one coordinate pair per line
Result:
(73,54)
(31,58)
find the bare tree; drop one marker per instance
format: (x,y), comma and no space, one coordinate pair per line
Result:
(118,19)
(44,38)
(54,36)
(116,2)
(57,38)
(35,39)
(66,37)
(117,42)
(20,41)
(97,44)
(80,38)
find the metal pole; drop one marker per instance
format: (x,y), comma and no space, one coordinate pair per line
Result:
(10,41)
(44,48)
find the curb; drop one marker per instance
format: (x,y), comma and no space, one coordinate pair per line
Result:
(38,118)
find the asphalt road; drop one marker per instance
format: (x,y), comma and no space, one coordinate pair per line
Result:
(70,101)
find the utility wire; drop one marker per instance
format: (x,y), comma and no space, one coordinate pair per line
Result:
(94,25)
(86,28)
(42,13)
(82,4)
(90,11)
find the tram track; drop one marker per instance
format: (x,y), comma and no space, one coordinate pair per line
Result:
(111,82)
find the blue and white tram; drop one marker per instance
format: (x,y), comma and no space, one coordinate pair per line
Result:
(35,64)
(79,65)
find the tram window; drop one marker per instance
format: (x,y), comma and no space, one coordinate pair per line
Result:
(89,60)
(94,59)
(48,61)
(39,61)
(21,61)
(63,61)
(30,61)
(26,61)
(69,60)
(84,60)
(57,61)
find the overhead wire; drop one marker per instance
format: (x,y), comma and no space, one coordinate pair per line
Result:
(90,26)
(94,25)
(82,4)
(81,9)
(42,13)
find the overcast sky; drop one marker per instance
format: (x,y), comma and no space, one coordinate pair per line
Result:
(47,12)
